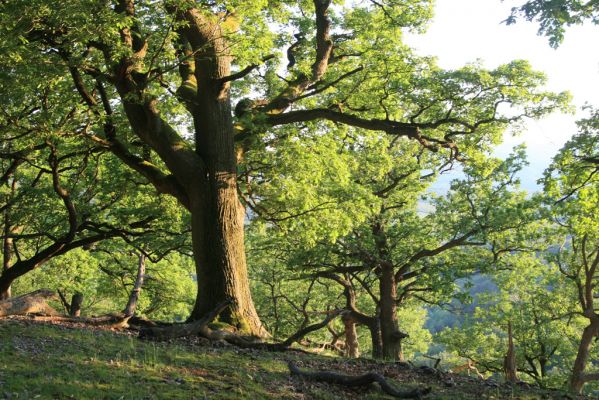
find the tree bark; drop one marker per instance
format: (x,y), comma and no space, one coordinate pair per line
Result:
(577,379)
(136,291)
(217,214)
(205,179)
(75,306)
(509,362)
(390,335)
(5,292)
(352,347)
(359,380)
(375,337)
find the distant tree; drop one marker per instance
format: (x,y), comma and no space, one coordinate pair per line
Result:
(535,300)
(381,244)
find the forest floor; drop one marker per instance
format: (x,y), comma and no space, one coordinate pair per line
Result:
(59,361)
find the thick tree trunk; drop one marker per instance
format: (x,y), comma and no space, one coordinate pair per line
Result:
(509,362)
(136,291)
(217,214)
(375,337)
(577,379)
(352,347)
(205,179)
(75,306)
(390,335)
(5,292)
(220,263)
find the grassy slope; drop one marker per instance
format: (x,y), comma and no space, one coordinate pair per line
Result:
(47,362)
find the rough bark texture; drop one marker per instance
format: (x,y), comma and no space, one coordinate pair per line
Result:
(578,377)
(6,256)
(390,335)
(509,362)
(34,302)
(375,336)
(75,306)
(136,291)
(5,292)
(352,347)
(359,380)
(204,180)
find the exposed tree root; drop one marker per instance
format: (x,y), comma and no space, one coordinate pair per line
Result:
(358,380)
(251,343)
(182,330)
(201,327)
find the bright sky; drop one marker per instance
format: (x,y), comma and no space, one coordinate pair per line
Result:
(466,30)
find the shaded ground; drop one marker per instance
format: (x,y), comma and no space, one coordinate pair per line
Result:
(45,361)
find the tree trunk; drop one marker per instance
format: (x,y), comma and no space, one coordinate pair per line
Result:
(206,178)
(509,362)
(76,302)
(375,337)
(220,262)
(136,291)
(217,214)
(390,335)
(5,292)
(352,347)
(577,379)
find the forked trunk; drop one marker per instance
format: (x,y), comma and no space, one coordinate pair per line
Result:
(577,379)
(207,180)
(217,215)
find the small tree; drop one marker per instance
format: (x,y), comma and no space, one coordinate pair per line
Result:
(572,189)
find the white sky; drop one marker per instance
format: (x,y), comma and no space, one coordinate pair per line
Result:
(466,30)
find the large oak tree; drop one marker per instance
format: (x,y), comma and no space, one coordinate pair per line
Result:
(179,90)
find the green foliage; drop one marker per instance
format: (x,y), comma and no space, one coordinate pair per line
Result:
(532,297)
(105,278)
(554,16)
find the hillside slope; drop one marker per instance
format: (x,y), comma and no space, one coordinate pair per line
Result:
(44,361)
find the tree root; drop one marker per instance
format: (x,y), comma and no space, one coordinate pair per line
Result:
(182,330)
(358,380)
(201,328)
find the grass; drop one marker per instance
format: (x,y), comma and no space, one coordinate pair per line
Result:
(39,361)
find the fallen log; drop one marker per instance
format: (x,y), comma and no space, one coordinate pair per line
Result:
(113,321)
(358,380)
(30,303)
